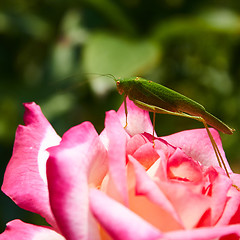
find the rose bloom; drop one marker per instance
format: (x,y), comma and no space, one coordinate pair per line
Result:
(116,185)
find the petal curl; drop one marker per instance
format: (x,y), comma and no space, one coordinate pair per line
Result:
(197,145)
(138,120)
(220,187)
(18,230)
(208,233)
(180,166)
(79,161)
(119,221)
(25,176)
(117,154)
(178,192)
(157,209)
(142,149)
(231,214)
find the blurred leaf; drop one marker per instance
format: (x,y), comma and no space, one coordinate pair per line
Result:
(215,21)
(218,80)
(114,14)
(73,28)
(109,54)
(221,20)
(62,60)
(8,119)
(176,26)
(25,23)
(57,105)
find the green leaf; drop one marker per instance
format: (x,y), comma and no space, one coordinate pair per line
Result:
(108,54)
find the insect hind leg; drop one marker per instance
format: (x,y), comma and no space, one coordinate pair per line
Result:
(214,145)
(125,108)
(216,149)
(155,109)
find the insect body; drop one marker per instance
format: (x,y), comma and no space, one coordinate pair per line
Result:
(156,98)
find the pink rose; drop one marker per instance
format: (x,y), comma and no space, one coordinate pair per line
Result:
(116,185)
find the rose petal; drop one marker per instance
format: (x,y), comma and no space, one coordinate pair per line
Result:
(135,142)
(180,166)
(140,146)
(138,120)
(119,221)
(117,154)
(220,186)
(25,176)
(79,161)
(157,209)
(197,145)
(231,214)
(208,233)
(18,230)
(146,155)
(178,192)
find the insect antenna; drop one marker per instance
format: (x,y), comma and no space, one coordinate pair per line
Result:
(109,75)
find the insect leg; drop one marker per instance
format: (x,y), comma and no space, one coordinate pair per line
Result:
(125,107)
(214,145)
(216,149)
(155,109)
(154,116)
(149,108)
(217,152)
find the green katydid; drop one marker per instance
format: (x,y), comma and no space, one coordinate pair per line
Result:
(157,98)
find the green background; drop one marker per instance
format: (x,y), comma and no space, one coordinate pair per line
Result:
(51,53)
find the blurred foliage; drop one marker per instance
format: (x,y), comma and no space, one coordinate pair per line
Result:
(54,52)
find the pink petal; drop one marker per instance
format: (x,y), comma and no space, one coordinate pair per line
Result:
(197,145)
(25,177)
(236,179)
(119,221)
(117,154)
(188,204)
(220,187)
(146,155)
(180,166)
(136,142)
(158,209)
(140,146)
(18,230)
(138,119)
(231,232)
(231,214)
(79,161)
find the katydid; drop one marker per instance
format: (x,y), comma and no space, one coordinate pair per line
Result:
(157,98)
